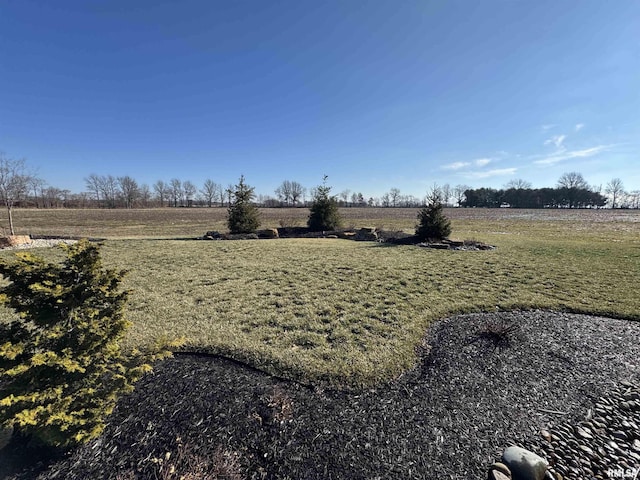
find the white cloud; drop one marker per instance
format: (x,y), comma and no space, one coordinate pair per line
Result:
(493,173)
(564,155)
(481,162)
(455,166)
(556,140)
(579,126)
(548,126)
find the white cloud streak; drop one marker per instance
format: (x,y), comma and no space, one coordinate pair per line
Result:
(455,166)
(481,162)
(579,126)
(497,172)
(568,155)
(556,140)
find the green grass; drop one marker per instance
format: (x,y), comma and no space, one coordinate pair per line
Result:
(353,313)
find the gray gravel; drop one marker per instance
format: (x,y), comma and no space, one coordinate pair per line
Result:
(41,243)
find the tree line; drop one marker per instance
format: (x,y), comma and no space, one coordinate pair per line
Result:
(109,191)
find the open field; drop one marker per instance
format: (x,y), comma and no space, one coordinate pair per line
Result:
(193,222)
(350,312)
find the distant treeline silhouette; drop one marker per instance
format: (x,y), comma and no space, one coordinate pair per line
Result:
(534,198)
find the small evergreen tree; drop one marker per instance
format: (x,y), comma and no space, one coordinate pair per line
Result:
(324,214)
(433,223)
(61,367)
(243,216)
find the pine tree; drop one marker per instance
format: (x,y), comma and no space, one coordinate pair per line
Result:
(61,366)
(324,214)
(433,223)
(243,216)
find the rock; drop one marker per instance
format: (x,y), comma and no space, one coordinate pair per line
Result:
(439,246)
(14,240)
(367,234)
(347,235)
(497,475)
(331,236)
(268,233)
(212,235)
(582,432)
(524,465)
(5,436)
(498,471)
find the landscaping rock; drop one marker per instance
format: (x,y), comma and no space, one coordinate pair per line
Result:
(367,234)
(268,233)
(14,240)
(499,471)
(524,465)
(347,235)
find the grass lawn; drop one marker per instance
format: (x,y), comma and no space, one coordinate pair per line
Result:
(353,313)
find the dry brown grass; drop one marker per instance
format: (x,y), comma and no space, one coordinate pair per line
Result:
(194,222)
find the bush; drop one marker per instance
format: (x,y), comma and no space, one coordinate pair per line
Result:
(243,216)
(61,367)
(324,214)
(433,223)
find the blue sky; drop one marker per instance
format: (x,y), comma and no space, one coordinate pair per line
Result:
(374,94)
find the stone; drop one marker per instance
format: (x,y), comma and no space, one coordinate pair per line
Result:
(268,233)
(438,246)
(212,235)
(499,471)
(524,465)
(582,432)
(497,475)
(367,234)
(14,240)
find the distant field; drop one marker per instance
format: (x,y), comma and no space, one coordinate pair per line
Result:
(343,311)
(193,222)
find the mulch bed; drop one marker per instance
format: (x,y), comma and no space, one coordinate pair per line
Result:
(473,393)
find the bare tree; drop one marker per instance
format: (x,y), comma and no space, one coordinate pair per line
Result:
(175,189)
(615,188)
(145,195)
(434,194)
(162,191)
(209,191)
(189,190)
(37,185)
(228,193)
(93,183)
(344,196)
(14,184)
(517,184)
(129,190)
(297,192)
(109,189)
(572,182)
(394,195)
(283,192)
(458,192)
(446,193)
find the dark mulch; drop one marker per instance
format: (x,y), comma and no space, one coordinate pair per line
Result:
(481,385)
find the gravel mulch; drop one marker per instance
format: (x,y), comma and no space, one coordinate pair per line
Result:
(472,394)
